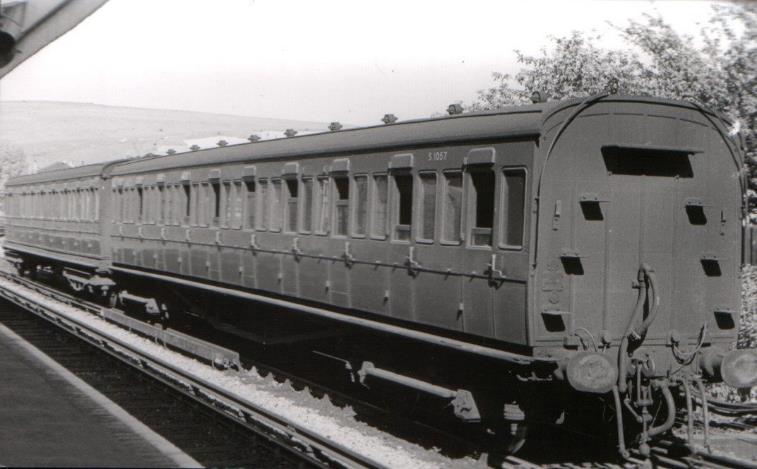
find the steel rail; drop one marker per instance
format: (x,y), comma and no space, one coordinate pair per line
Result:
(288,434)
(678,454)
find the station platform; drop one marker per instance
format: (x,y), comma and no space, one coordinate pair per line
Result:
(49,417)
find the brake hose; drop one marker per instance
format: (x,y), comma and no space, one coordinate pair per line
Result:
(623,349)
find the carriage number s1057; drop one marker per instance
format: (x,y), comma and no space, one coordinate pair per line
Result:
(437,156)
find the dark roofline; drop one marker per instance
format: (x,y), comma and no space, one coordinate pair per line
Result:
(502,123)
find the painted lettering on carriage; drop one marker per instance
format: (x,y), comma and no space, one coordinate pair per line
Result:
(437,156)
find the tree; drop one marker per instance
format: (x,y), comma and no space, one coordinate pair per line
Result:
(13,162)
(720,72)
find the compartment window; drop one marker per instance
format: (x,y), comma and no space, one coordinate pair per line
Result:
(292,200)
(324,215)
(264,211)
(513,207)
(342,205)
(453,207)
(237,203)
(215,203)
(228,203)
(96,204)
(275,196)
(140,204)
(118,210)
(428,206)
(361,205)
(200,204)
(307,205)
(380,199)
(403,206)
(481,206)
(165,204)
(251,200)
(187,199)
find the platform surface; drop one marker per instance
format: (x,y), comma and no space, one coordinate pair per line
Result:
(48,417)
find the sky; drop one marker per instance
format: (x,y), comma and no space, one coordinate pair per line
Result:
(350,61)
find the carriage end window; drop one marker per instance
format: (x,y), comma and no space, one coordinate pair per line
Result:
(481,207)
(513,207)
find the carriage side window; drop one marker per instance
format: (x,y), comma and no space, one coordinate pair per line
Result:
(78,205)
(237,203)
(189,202)
(83,204)
(402,212)
(251,203)
(140,204)
(165,205)
(341,205)
(307,205)
(172,205)
(196,210)
(361,205)
(275,207)
(291,205)
(427,197)
(323,205)
(148,195)
(158,201)
(227,207)
(513,207)
(88,205)
(379,205)
(95,204)
(263,205)
(214,204)
(481,206)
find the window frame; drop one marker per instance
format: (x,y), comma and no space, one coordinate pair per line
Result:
(262,202)
(394,201)
(336,202)
(248,207)
(353,202)
(286,196)
(303,205)
(322,201)
(501,199)
(443,214)
(372,195)
(470,215)
(275,207)
(420,209)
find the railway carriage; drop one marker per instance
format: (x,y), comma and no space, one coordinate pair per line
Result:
(56,220)
(592,242)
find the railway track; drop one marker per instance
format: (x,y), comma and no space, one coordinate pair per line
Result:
(289,435)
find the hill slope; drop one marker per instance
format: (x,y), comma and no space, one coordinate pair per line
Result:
(48,132)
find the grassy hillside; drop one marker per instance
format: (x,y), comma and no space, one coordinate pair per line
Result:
(48,132)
